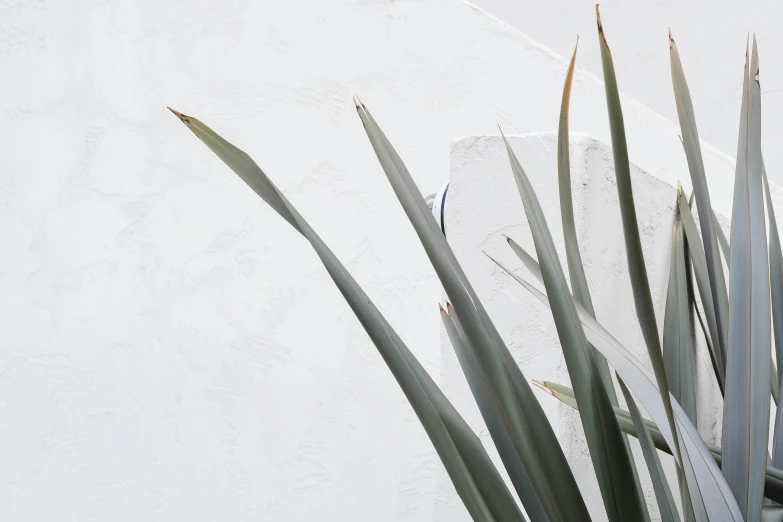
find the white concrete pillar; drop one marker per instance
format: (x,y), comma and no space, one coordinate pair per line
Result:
(483,202)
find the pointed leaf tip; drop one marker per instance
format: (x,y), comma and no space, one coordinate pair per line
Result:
(489,256)
(357,102)
(542,386)
(183,117)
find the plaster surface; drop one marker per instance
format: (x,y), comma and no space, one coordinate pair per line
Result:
(171,349)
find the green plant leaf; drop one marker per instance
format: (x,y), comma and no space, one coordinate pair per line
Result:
(775,273)
(521,414)
(773,482)
(489,407)
(562,393)
(776,289)
(576,271)
(746,403)
(678,351)
(690,139)
(574,258)
(673,326)
(633,245)
(613,467)
(666,505)
(701,273)
(475,478)
(712,499)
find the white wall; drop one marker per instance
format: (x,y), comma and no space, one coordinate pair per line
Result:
(711,38)
(172,350)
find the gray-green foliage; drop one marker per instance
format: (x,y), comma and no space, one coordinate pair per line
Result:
(737,332)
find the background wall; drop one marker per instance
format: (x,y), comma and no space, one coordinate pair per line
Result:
(710,36)
(171,349)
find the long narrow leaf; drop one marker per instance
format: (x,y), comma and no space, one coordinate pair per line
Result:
(776,289)
(712,498)
(475,478)
(633,245)
(773,482)
(574,258)
(522,415)
(746,404)
(489,407)
(701,273)
(611,461)
(678,355)
(663,494)
(775,273)
(690,138)
(678,351)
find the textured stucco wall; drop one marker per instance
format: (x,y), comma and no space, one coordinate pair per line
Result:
(171,349)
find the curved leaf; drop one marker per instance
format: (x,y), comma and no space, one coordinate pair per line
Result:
(489,407)
(663,494)
(611,461)
(701,273)
(633,244)
(746,403)
(678,352)
(773,483)
(690,139)
(711,496)
(522,415)
(775,273)
(574,258)
(475,478)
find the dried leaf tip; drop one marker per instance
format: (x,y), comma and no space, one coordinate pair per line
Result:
(756,58)
(358,103)
(598,18)
(671,39)
(679,189)
(543,387)
(492,258)
(183,117)
(489,256)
